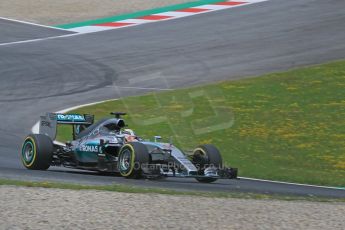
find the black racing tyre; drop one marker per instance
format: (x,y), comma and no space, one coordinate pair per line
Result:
(132,157)
(37,152)
(205,156)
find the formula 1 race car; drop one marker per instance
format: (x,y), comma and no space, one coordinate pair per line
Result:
(107,146)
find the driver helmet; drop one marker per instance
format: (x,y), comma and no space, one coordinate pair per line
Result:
(129,135)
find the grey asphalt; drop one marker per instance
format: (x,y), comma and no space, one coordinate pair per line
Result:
(246,41)
(11,31)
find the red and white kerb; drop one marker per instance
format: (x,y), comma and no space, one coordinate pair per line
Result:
(164,16)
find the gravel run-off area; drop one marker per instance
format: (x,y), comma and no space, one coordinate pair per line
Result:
(52,12)
(41,208)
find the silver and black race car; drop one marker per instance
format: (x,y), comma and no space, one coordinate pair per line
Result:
(108,146)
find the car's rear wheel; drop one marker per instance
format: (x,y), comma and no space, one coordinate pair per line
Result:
(132,158)
(205,156)
(37,151)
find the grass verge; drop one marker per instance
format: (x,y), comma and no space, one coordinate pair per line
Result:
(134,189)
(286,126)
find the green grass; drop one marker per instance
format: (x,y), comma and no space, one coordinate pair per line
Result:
(134,189)
(283,126)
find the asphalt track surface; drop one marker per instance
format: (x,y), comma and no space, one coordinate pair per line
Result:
(12,31)
(50,75)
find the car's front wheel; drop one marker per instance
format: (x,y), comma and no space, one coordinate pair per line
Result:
(132,157)
(205,156)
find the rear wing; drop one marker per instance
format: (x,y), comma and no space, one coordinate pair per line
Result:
(49,122)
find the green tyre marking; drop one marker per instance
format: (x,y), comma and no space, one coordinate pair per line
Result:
(28,152)
(129,170)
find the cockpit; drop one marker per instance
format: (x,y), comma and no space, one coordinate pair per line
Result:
(110,127)
(103,127)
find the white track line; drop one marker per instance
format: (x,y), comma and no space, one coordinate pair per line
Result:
(77,32)
(91,29)
(38,39)
(30,23)
(145,88)
(289,183)
(213,7)
(35,128)
(253,1)
(135,21)
(84,105)
(175,14)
